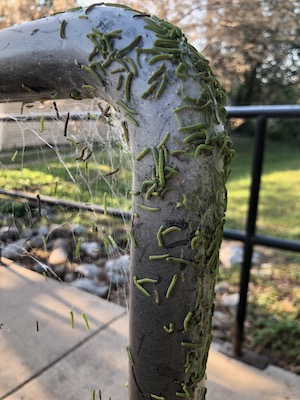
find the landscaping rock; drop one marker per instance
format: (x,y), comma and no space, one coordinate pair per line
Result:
(220,320)
(15,251)
(232,254)
(117,270)
(37,242)
(91,286)
(90,249)
(70,277)
(38,268)
(59,232)
(58,256)
(88,270)
(9,234)
(62,250)
(78,230)
(222,287)
(43,230)
(230,300)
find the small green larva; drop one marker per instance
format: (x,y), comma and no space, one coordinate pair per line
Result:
(15,155)
(77,249)
(194,127)
(140,51)
(140,287)
(86,321)
(123,63)
(131,119)
(154,27)
(96,65)
(126,108)
(117,34)
(128,85)
(161,57)
(118,70)
(63,29)
(159,257)
(106,244)
(171,229)
(89,87)
(142,154)
(155,397)
(146,280)
(170,328)
(160,70)
(178,152)
(179,260)
(131,46)
(147,208)
(42,124)
(109,59)
(93,53)
(171,286)
(128,351)
(166,43)
(120,82)
(172,171)
(166,153)
(134,192)
(150,90)
(28,88)
(194,241)
(179,72)
(164,140)
(161,164)
(91,71)
(194,136)
(148,182)
(169,50)
(158,236)
(112,241)
(132,64)
(187,320)
(185,394)
(162,87)
(132,238)
(151,191)
(202,147)
(191,346)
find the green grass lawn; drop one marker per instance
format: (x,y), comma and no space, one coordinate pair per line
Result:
(279,208)
(279,205)
(45,173)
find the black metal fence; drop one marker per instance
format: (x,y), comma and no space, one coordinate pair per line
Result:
(249,237)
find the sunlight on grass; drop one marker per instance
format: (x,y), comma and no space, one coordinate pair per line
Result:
(279,205)
(279,208)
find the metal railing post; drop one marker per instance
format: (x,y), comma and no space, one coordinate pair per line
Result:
(174,127)
(257,165)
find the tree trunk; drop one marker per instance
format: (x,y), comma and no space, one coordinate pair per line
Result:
(170,108)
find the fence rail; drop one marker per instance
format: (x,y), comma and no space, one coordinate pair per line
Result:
(249,237)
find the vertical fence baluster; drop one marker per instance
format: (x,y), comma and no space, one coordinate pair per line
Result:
(257,165)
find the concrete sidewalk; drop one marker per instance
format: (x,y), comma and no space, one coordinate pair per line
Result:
(42,357)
